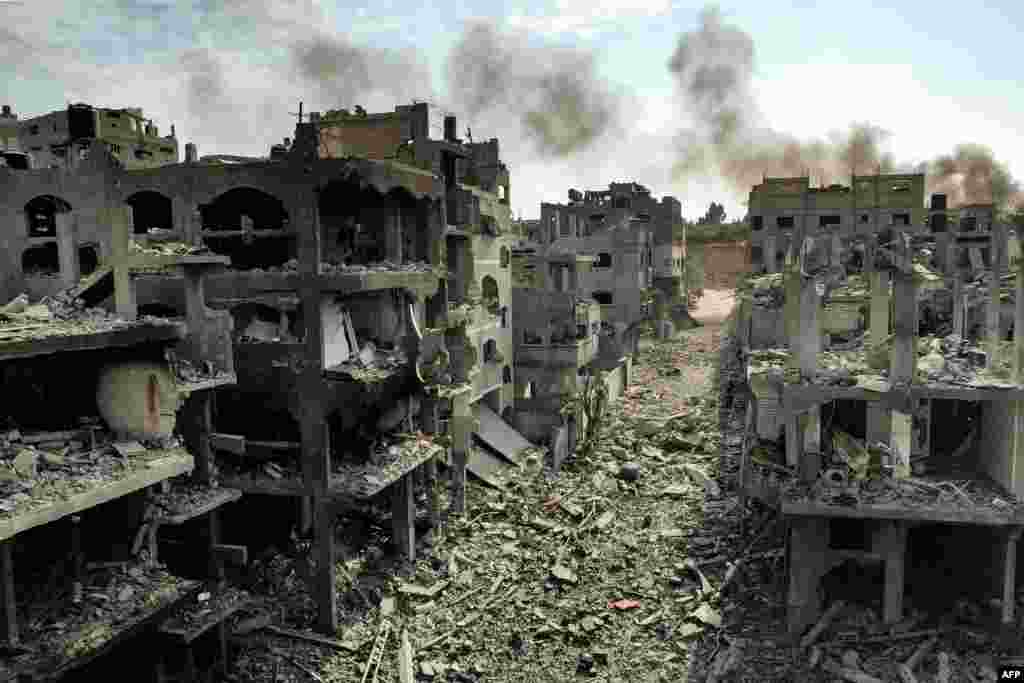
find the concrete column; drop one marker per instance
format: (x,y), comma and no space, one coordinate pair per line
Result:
(120,222)
(768,249)
(67,248)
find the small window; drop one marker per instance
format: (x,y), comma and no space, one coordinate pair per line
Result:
(603,298)
(113,114)
(784,222)
(827,221)
(604,260)
(864,219)
(506,375)
(33,129)
(756,223)
(491,352)
(504,258)
(901,219)
(167,150)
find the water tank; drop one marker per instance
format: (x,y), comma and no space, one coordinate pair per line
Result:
(138,399)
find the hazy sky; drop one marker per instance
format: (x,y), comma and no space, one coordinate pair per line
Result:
(580,93)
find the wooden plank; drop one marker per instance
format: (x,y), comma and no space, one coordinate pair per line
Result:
(8,603)
(171,464)
(808,546)
(222,496)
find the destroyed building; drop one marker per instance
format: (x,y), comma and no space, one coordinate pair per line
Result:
(103,451)
(778,206)
(369,296)
(632,237)
(887,435)
(61,139)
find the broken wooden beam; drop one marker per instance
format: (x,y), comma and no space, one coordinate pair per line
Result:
(834,609)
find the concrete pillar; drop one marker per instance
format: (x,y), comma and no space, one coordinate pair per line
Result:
(67,248)
(120,221)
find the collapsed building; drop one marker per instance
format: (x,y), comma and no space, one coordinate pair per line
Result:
(104,450)
(365,318)
(639,244)
(882,420)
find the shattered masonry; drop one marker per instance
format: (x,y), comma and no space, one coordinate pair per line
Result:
(349,318)
(885,380)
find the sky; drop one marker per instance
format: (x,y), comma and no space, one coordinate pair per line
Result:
(691,100)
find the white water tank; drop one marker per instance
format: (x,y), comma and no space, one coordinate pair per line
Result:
(138,400)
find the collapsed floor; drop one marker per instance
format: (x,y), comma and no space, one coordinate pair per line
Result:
(618,569)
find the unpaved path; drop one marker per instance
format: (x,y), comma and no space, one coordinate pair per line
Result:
(580,570)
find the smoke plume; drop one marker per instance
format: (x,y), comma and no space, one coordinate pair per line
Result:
(713,68)
(971,175)
(556,95)
(343,72)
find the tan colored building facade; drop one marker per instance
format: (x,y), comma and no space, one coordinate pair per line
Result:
(778,206)
(60,139)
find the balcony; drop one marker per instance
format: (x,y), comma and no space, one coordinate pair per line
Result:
(577,354)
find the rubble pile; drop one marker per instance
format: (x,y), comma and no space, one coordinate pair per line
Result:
(208,609)
(329,268)
(372,365)
(613,566)
(169,248)
(37,474)
(58,316)
(112,599)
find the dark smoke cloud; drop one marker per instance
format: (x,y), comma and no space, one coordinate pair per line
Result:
(971,175)
(714,67)
(344,72)
(560,102)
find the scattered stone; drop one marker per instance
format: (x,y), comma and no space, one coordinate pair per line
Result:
(584,663)
(26,463)
(629,471)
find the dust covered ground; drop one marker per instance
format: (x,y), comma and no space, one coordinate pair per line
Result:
(610,571)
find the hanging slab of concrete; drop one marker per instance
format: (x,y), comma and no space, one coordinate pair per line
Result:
(501,436)
(483,464)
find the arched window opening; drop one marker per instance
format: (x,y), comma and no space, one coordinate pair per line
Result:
(41,261)
(151,212)
(603,298)
(41,214)
(249,226)
(491,299)
(491,353)
(604,260)
(505,257)
(88,258)
(506,375)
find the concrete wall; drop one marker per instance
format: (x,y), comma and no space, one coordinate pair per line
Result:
(720,264)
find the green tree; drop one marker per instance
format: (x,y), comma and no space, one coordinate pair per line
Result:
(715,215)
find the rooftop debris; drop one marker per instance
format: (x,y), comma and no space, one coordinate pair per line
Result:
(114,601)
(329,268)
(371,365)
(59,316)
(33,477)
